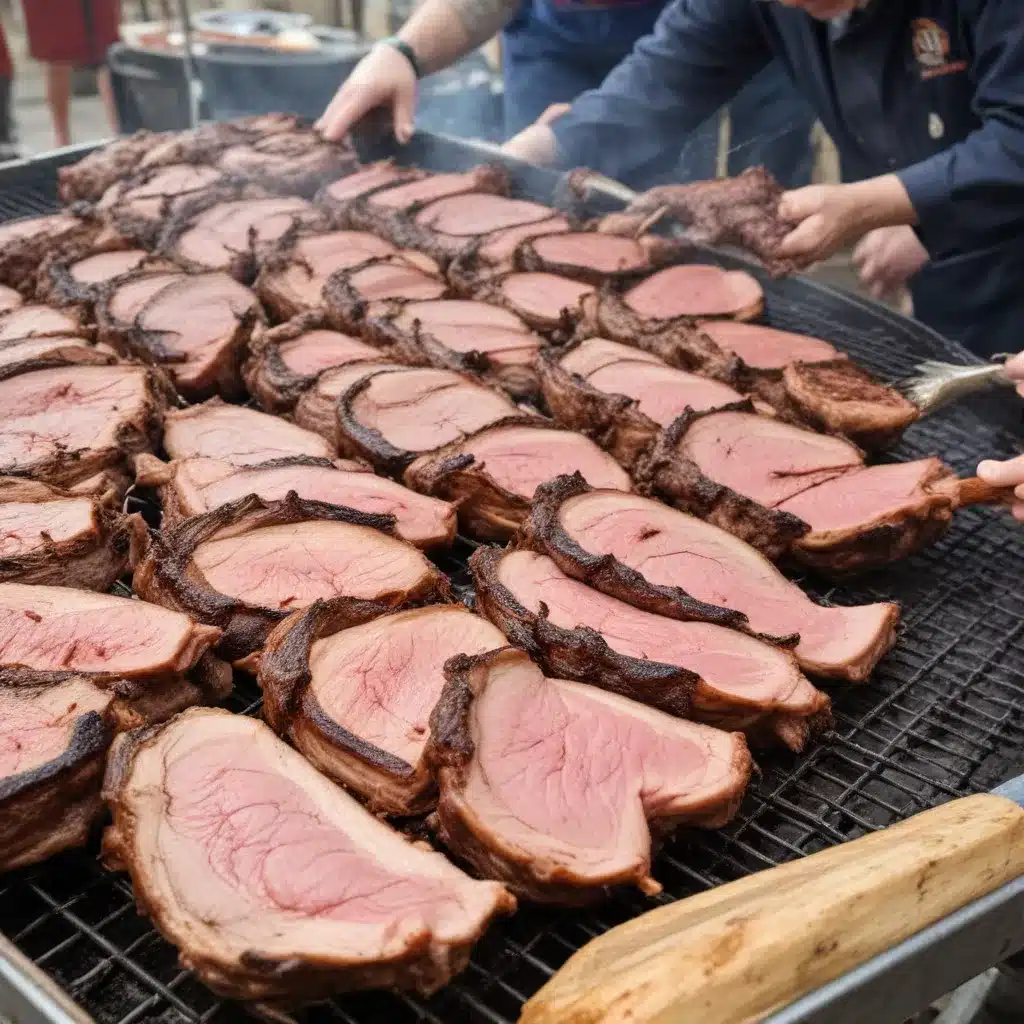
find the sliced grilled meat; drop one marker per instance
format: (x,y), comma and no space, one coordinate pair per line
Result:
(692,670)
(9,299)
(663,561)
(492,475)
(765,348)
(54,350)
(247,565)
(382,174)
(190,487)
(286,361)
(352,296)
(236,235)
(495,252)
(327,898)
(456,334)
(24,244)
(546,302)
(784,489)
(66,425)
(38,321)
(292,280)
(205,143)
(596,258)
(80,279)
(94,174)
(392,416)
(317,409)
(555,788)
(197,325)
(241,437)
(622,396)
(51,536)
(292,162)
(353,687)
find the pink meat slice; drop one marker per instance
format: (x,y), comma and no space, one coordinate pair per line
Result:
(396,279)
(148,199)
(480,214)
(418,410)
(36,348)
(60,629)
(314,351)
(425,190)
(52,226)
(290,566)
(419,519)
(764,459)
(694,290)
(766,348)
(257,851)
(497,248)
(317,409)
(467,326)
(520,459)
(27,321)
(226,230)
(105,266)
(240,436)
(9,299)
(366,180)
(605,254)
(743,671)
(571,775)
(544,296)
(661,391)
(26,526)
(669,548)
(871,493)
(37,725)
(131,297)
(380,681)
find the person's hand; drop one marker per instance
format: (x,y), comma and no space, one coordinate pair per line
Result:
(536,144)
(887,258)
(825,218)
(1007,474)
(1015,371)
(383,78)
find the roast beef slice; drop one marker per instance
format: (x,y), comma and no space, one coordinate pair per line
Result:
(353,688)
(326,898)
(554,787)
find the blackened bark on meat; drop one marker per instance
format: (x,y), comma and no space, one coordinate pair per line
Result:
(471,279)
(91,562)
(165,574)
(665,473)
(543,532)
(487,511)
(89,178)
(21,255)
(741,211)
(839,397)
(289,163)
(418,347)
(579,653)
(356,440)
(613,422)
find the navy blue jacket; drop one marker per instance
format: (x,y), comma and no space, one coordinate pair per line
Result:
(930,89)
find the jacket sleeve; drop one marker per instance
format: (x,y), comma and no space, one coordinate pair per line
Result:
(634,125)
(972,195)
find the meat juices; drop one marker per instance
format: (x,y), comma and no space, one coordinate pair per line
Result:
(353,689)
(554,787)
(247,857)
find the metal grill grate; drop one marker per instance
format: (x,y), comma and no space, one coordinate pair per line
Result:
(942,717)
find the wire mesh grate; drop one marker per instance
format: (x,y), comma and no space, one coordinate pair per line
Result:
(942,717)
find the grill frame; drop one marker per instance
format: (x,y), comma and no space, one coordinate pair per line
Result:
(943,717)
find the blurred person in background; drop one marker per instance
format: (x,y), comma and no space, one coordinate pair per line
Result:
(63,35)
(554,50)
(1011,472)
(8,143)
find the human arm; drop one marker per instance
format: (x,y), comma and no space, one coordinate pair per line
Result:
(888,258)
(698,57)
(439,33)
(1007,474)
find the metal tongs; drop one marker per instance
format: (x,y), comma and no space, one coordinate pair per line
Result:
(934,384)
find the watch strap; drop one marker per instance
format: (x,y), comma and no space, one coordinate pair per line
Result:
(406,51)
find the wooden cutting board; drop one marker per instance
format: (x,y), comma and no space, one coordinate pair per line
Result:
(739,952)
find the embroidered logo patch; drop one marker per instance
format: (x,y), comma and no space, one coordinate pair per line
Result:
(931,49)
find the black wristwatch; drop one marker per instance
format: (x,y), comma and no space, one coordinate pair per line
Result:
(406,51)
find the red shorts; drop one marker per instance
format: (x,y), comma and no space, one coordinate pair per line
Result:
(6,68)
(71,31)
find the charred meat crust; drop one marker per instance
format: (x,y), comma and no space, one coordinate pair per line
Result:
(543,532)
(290,709)
(165,574)
(659,252)
(579,653)
(336,208)
(222,377)
(419,347)
(487,511)
(399,226)
(20,257)
(613,422)
(88,179)
(665,473)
